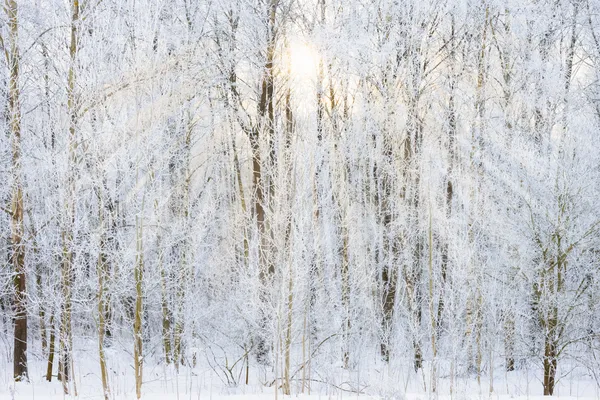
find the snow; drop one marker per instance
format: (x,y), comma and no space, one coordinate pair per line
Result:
(162,383)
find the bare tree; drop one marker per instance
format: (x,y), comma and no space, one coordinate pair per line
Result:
(17,254)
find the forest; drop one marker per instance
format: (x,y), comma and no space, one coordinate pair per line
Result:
(385,198)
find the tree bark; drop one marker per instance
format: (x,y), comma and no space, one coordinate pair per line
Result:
(67,276)
(50,363)
(137,323)
(17,255)
(263,187)
(102,277)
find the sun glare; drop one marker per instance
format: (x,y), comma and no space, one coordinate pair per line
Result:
(304,61)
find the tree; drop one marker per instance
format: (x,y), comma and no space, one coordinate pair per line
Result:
(17,255)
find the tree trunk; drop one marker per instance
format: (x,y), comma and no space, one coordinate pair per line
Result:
(289,127)
(345,294)
(288,332)
(17,255)
(550,363)
(137,323)
(184,269)
(260,181)
(42,312)
(166,315)
(67,275)
(413,273)
(509,340)
(433,383)
(102,275)
(449,184)
(50,363)
(474,320)
(389,273)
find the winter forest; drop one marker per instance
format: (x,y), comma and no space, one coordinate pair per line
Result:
(299,197)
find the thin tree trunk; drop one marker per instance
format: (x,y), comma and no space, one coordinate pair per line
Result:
(433,383)
(288,332)
(389,273)
(166,317)
(509,340)
(412,273)
(474,319)
(50,363)
(42,314)
(449,181)
(345,297)
(66,335)
(102,274)
(289,127)
(261,184)
(137,324)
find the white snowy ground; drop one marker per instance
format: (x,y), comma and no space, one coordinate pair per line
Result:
(194,387)
(378,381)
(168,386)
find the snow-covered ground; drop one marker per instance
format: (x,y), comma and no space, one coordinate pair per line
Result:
(202,383)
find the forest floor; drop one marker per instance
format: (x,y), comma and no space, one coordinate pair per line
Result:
(162,383)
(195,387)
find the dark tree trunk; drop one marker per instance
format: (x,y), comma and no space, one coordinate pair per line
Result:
(17,246)
(550,364)
(50,351)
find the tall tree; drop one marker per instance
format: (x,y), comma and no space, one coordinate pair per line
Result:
(17,254)
(68,273)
